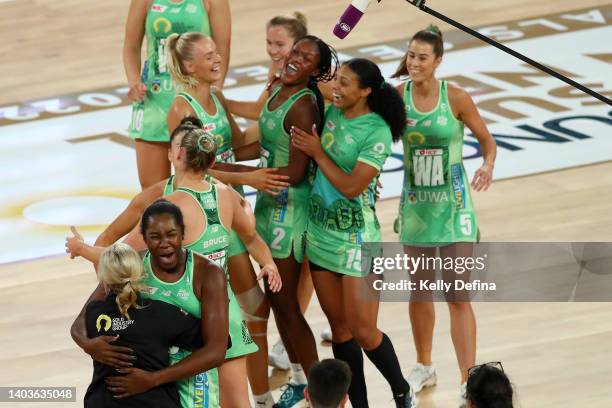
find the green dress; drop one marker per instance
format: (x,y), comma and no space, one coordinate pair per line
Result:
(218,125)
(213,244)
(337,226)
(201,390)
(165,17)
(436,206)
(281,220)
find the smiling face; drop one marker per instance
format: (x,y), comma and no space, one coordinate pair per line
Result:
(206,63)
(164,239)
(421,61)
(346,89)
(301,63)
(278,45)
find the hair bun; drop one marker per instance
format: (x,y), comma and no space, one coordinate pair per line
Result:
(300,17)
(191,121)
(432,28)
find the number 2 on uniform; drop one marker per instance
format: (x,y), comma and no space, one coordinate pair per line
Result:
(354,259)
(279,234)
(465,221)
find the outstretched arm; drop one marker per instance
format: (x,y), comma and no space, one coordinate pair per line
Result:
(130,217)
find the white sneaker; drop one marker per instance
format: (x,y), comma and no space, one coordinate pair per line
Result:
(463,396)
(326,335)
(277,357)
(422,376)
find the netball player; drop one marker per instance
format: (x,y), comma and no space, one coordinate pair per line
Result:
(437,112)
(193,62)
(366,116)
(281,34)
(175,276)
(210,210)
(151,89)
(281,220)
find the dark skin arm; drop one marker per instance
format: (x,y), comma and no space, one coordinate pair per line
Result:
(303,113)
(100,348)
(210,287)
(349,184)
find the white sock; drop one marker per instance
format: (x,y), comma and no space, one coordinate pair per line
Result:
(298,377)
(264,400)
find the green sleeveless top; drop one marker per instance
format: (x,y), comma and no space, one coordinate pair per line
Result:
(281,220)
(436,205)
(179,293)
(214,243)
(201,390)
(165,17)
(217,125)
(214,240)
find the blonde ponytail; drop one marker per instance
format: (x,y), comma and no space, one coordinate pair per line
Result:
(179,49)
(120,269)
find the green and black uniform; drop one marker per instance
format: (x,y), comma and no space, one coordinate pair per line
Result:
(165,17)
(436,206)
(281,220)
(218,125)
(201,390)
(337,226)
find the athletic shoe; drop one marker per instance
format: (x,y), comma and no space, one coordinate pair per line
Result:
(292,395)
(326,335)
(277,357)
(407,400)
(422,376)
(463,396)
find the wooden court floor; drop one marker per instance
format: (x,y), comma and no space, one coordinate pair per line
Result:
(557,354)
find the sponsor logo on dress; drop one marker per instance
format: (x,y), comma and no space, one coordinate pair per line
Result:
(457,184)
(349,139)
(271,124)
(427,123)
(158,8)
(442,120)
(166,293)
(331,125)
(103,319)
(175,10)
(411,122)
(191,8)
(183,294)
(209,127)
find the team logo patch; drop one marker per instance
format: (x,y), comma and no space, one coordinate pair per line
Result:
(156,86)
(183,294)
(442,120)
(191,8)
(411,122)
(158,8)
(427,123)
(162,24)
(166,293)
(331,125)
